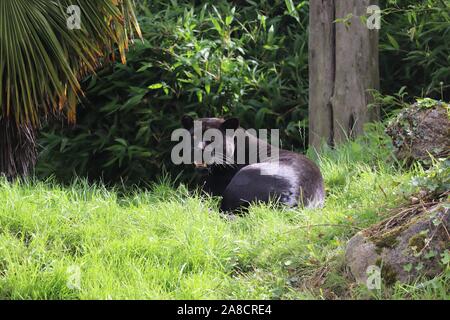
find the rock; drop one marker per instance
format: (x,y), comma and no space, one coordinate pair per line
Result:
(421,130)
(405,246)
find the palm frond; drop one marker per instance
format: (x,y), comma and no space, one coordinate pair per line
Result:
(42,60)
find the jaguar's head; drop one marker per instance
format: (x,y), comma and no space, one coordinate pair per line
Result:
(212,140)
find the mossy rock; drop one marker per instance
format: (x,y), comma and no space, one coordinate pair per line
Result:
(404,246)
(421,130)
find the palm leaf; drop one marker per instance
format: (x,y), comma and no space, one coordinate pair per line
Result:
(42,60)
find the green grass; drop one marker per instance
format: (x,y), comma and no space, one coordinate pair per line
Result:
(170,244)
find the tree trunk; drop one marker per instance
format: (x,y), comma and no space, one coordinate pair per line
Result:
(343,62)
(18,151)
(321,71)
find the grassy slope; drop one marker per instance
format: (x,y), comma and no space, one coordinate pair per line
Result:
(168,244)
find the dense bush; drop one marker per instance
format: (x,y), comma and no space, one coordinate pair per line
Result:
(243,58)
(204,60)
(414,48)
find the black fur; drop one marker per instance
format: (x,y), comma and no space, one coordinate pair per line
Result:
(296,180)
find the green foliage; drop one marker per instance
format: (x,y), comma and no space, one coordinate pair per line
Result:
(435,180)
(242,58)
(414,45)
(249,61)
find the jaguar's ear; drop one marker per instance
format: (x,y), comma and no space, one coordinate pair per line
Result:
(232,123)
(187,122)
